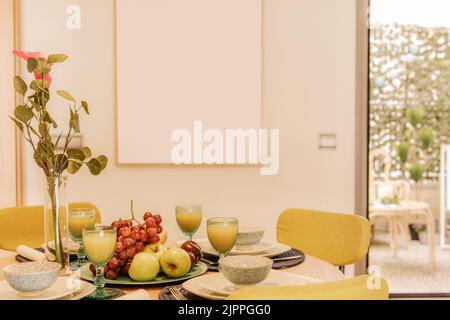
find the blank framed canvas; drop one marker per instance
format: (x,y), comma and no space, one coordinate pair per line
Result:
(180,61)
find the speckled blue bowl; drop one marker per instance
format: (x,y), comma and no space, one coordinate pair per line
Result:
(245,270)
(31,278)
(248,237)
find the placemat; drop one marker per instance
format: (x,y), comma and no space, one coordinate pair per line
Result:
(276,264)
(165,294)
(288,263)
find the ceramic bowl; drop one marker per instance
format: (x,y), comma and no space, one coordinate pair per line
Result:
(245,270)
(248,237)
(31,278)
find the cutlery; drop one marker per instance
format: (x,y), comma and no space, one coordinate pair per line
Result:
(209,262)
(177,293)
(212,263)
(288,258)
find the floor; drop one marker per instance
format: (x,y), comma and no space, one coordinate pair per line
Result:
(410,271)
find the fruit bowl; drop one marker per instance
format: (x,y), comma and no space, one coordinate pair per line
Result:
(122,279)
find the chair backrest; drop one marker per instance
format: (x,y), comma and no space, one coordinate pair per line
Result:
(358,288)
(25,225)
(340,239)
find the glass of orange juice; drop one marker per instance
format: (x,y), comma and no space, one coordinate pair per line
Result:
(222,234)
(80,219)
(99,245)
(189,218)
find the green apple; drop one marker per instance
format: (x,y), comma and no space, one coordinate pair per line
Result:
(163,236)
(175,262)
(144,267)
(157,249)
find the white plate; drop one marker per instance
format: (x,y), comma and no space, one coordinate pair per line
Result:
(86,289)
(58,290)
(265,249)
(216,287)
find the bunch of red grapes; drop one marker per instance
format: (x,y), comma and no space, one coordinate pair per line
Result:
(131,239)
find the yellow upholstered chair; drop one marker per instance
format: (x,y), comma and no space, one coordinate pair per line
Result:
(339,239)
(352,289)
(25,225)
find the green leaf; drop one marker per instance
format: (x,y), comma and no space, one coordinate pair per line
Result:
(48,118)
(20,86)
(426,137)
(56,58)
(103,161)
(18,124)
(87,152)
(73,166)
(76,154)
(415,115)
(34,131)
(74,121)
(23,113)
(95,167)
(416,172)
(403,151)
(39,85)
(42,66)
(58,139)
(61,163)
(85,106)
(39,159)
(31,64)
(36,106)
(65,95)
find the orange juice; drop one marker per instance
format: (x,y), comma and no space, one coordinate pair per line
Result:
(189,222)
(79,221)
(222,236)
(99,246)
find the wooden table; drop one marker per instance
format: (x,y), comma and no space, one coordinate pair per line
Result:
(400,216)
(311,267)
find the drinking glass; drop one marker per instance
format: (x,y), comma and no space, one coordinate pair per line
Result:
(189,218)
(222,234)
(99,245)
(80,219)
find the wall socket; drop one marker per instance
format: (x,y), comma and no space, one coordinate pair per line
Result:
(327,141)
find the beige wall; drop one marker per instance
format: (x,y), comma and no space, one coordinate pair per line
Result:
(7,136)
(309,88)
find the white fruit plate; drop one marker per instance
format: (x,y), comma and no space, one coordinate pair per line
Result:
(199,269)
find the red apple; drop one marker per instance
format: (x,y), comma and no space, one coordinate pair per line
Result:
(194,248)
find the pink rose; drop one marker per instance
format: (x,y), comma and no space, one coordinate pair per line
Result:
(33,54)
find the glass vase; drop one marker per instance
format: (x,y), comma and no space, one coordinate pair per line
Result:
(56,221)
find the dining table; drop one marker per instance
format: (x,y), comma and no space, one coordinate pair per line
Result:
(310,267)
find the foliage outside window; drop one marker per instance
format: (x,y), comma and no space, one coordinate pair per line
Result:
(410,98)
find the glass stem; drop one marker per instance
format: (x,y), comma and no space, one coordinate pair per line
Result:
(99,280)
(80,254)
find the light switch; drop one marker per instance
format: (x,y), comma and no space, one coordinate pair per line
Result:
(327,141)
